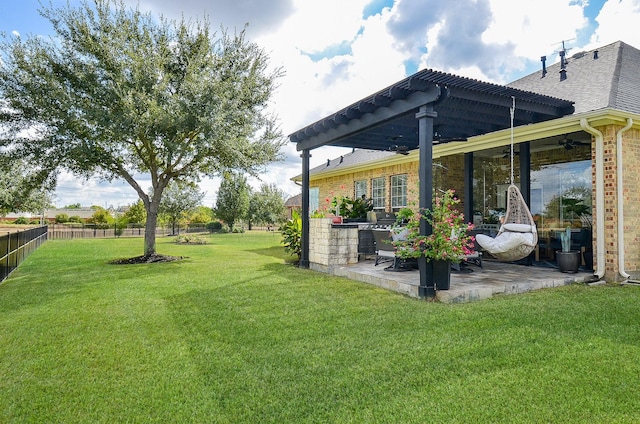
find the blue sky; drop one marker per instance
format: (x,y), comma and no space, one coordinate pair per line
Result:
(335,52)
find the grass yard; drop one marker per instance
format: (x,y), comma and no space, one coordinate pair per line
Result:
(233,334)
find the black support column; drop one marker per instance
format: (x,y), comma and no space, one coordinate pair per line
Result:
(304,251)
(525,171)
(425,175)
(468,187)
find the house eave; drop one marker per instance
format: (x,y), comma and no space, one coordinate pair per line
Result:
(522,134)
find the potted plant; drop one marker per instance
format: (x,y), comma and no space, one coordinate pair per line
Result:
(448,242)
(568,260)
(352,210)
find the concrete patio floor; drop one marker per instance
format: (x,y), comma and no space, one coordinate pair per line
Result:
(482,283)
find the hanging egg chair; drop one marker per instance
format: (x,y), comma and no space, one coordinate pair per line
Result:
(518,235)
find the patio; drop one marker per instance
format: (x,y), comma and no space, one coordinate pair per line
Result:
(492,279)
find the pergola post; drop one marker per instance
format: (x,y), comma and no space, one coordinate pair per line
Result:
(468,187)
(425,190)
(304,242)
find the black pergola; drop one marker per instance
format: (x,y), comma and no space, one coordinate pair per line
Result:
(427,108)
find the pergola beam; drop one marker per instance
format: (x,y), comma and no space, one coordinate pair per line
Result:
(369,120)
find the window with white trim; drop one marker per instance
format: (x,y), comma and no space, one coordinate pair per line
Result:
(360,189)
(398,192)
(378,193)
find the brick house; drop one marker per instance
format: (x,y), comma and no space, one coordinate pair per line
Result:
(576,141)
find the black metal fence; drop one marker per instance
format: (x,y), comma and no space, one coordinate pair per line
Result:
(16,246)
(72,231)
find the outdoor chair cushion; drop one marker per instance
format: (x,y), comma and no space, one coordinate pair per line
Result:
(505,241)
(519,228)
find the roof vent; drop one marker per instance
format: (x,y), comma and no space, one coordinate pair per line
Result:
(328,162)
(543,59)
(341,159)
(563,63)
(595,54)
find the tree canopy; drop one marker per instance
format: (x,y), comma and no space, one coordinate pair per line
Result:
(232,203)
(136,214)
(17,191)
(119,94)
(266,206)
(178,201)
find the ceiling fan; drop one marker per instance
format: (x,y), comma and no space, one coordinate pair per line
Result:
(507,152)
(570,144)
(400,149)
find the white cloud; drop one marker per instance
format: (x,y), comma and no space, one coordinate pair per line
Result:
(617,20)
(494,40)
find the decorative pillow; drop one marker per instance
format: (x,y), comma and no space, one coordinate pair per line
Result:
(504,242)
(519,228)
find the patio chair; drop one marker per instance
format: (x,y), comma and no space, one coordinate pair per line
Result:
(385,252)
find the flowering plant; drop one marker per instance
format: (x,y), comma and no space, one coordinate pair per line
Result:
(449,239)
(352,208)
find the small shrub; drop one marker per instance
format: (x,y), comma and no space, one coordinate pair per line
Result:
(292,234)
(214,226)
(21,220)
(74,218)
(62,218)
(189,239)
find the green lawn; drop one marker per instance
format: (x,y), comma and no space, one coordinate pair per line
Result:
(233,334)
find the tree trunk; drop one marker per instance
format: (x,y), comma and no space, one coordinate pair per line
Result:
(150,230)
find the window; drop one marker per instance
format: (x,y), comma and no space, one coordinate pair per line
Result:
(361,189)
(378,193)
(314,201)
(398,192)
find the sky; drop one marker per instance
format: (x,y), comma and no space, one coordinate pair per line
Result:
(335,52)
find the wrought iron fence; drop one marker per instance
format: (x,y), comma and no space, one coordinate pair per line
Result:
(16,246)
(71,231)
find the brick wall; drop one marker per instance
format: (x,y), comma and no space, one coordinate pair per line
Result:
(631,196)
(343,185)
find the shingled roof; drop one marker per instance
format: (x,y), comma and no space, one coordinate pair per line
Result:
(607,77)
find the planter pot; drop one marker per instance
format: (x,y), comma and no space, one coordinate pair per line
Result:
(336,220)
(441,274)
(568,261)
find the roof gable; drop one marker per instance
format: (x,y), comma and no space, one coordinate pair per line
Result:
(607,77)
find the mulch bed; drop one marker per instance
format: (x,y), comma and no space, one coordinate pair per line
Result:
(146,259)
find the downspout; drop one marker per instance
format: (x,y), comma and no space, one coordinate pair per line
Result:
(621,269)
(599,206)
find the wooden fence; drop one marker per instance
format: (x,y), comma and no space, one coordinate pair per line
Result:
(16,246)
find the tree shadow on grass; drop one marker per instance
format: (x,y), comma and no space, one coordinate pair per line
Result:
(274,252)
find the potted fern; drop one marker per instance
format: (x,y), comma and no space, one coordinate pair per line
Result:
(568,260)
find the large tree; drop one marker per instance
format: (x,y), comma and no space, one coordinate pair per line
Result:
(120,95)
(178,201)
(232,203)
(266,206)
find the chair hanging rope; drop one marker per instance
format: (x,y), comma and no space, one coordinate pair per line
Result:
(518,235)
